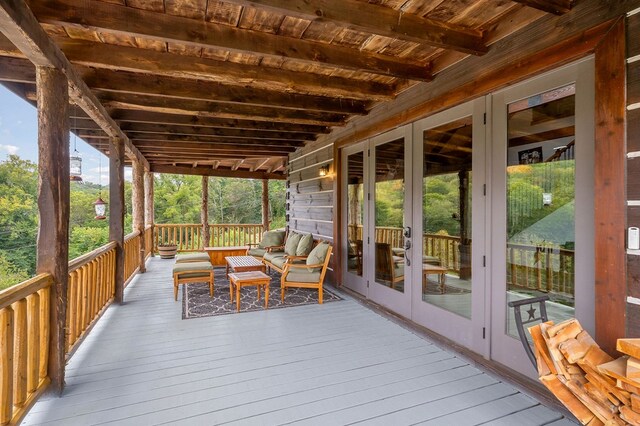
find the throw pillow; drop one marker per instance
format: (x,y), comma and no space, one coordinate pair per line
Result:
(291,245)
(272,239)
(305,245)
(318,255)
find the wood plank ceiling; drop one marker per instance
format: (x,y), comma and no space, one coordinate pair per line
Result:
(232,87)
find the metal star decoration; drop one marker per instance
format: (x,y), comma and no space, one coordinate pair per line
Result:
(531,311)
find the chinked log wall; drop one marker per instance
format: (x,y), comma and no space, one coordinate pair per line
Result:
(310,196)
(633,169)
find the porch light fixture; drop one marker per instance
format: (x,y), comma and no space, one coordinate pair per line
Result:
(100,205)
(75,160)
(324,170)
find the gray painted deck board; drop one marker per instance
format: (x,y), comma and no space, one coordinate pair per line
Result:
(337,363)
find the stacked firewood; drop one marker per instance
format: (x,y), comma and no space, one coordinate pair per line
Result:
(596,388)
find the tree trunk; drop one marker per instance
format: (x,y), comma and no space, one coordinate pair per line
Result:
(116,211)
(53,206)
(204,212)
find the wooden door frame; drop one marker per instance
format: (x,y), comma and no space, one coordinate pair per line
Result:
(606,41)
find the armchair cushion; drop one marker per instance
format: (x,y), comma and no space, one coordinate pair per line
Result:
(291,246)
(192,257)
(189,267)
(302,275)
(270,255)
(305,245)
(318,255)
(272,238)
(256,252)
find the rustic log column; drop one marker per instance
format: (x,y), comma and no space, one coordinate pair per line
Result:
(53,206)
(204,212)
(265,204)
(465,225)
(148,203)
(116,211)
(137,195)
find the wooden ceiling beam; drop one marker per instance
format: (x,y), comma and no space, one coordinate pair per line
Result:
(202,156)
(183,88)
(208,171)
(123,58)
(381,20)
(22,29)
(135,129)
(237,164)
(130,117)
(212,109)
(259,163)
(557,7)
(108,17)
(231,142)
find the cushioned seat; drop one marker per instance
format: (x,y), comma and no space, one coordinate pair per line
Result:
(192,272)
(302,276)
(308,273)
(192,257)
(271,255)
(278,261)
(271,240)
(256,252)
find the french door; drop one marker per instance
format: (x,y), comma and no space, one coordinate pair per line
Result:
(542,203)
(449,179)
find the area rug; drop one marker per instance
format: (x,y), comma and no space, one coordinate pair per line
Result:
(434,288)
(196,302)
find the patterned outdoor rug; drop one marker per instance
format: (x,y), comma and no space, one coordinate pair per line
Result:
(197,303)
(433,288)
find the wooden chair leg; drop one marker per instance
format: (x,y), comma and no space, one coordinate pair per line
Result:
(211,284)
(175,290)
(282,290)
(320,295)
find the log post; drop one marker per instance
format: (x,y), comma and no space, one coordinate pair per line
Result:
(204,212)
(53,206)
(116,211)
(137,195)
(265,205)
(465,225)
(148,202)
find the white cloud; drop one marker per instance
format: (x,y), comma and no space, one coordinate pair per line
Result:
(11,149)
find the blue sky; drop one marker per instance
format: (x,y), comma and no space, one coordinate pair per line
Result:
(19,135)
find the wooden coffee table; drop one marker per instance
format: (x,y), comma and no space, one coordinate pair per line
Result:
(242,279)
(217,254)
(428,269)
(243,264)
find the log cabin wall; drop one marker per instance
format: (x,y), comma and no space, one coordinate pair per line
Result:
(310,197)
(633,169)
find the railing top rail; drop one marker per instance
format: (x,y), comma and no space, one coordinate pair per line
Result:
(86,258)
(148,227)
(211,224)
(131,236)
(22,290)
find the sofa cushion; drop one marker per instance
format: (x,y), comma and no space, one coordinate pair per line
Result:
(318,255)
(256,252)
(270,255)
(291,245)
(278,262)
(305,245)
(192,257)
(192,266)
(272,239)
(301,275)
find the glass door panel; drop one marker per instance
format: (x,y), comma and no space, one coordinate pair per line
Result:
(389,253)
(541,177)
(446,216)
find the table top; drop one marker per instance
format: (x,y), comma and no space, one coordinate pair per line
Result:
(240,277)
(240,261)
(433,268)
(231,248)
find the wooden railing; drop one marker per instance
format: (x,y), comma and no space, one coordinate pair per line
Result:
(188,237)
(24,345)
(91,289)
(131,255)
(148,241)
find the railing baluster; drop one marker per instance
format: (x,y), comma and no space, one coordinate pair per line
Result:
(6,364)
(20,354)
(33,343)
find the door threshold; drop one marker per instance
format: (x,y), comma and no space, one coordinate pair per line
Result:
(505,374)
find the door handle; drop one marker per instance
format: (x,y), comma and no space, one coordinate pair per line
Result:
(407,247)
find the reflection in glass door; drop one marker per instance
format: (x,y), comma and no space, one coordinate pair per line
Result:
(354,210)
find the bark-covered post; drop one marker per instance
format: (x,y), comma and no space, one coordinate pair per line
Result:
(148,204)
(53,207)
(116,211)
(265,204)
(137,195)
(204,212)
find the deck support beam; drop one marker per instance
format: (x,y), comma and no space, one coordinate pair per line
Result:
(137,195)
(116,214)
(265,205)
(204,212)
(148,204)
(53,206)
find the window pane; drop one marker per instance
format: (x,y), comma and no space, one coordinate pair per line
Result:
(355,212)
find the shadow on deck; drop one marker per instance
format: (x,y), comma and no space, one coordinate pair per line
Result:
(337,363)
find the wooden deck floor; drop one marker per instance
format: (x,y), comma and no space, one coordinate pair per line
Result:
(337,363)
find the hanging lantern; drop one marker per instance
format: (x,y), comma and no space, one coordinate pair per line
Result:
(101,208)
(75,167)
